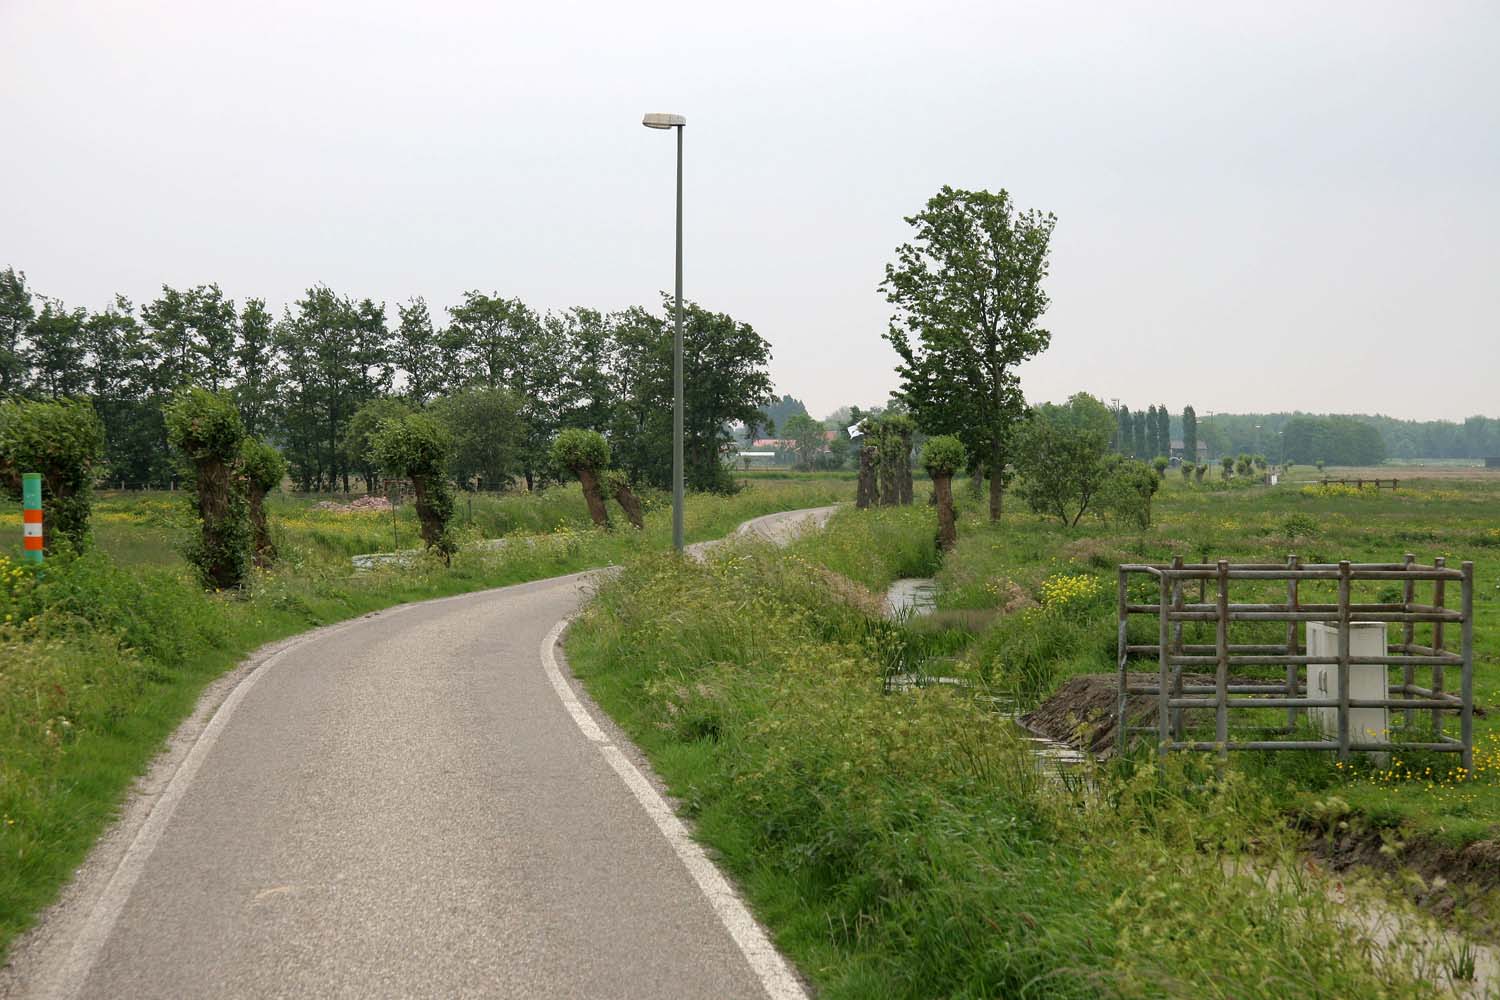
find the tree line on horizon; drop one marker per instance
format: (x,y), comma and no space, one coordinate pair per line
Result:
(318,380)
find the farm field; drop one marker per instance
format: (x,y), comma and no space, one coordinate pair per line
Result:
(904,845)
(103,654)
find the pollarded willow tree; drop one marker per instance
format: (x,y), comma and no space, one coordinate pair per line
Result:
(262,469)
(417,447)
(968,295)
(586,455)
(206,428)
(942,457)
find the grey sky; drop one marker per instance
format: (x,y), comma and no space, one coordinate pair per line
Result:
(1258,205)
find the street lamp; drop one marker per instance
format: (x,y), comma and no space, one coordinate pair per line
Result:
(679,123)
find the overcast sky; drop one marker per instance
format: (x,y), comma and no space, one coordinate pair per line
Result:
(1274,206)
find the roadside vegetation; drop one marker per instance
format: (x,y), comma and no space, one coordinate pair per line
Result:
(103,653)
(908,845)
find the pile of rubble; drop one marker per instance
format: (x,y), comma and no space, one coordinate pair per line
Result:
(357,505)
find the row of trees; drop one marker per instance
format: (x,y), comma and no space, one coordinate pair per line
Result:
(1147,435)
(320,378)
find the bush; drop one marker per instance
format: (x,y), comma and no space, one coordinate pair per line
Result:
(63,440)
(206,428)
(1127,491)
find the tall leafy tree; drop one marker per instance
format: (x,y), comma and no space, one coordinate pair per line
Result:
(55,351)
(1189,434)
(487,430)
(585,390)
(193,334)
(335,358)
(1153,434)
(255,368)
(417,350)
(1138,435)
(1125,434)
(16,315)
(119,371)
(1163,431)
(968,295)
(725,382)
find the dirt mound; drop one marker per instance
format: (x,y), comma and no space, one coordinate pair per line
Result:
(1082,713)
(355,506)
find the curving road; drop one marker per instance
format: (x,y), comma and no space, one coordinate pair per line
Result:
(414,804)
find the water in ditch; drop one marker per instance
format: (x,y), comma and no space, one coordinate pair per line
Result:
(915,597)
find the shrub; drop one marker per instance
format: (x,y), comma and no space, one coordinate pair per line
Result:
(206,428)
(1128,490)
(417,447)
(63,440)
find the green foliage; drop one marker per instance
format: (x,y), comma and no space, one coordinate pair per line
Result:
(489,434)
(944,455)
(806,435)
(1062,457)
(968,296)
(205,426)
(63,440)
(1189,434)
(262,465)
(577,449)
(1160,463)
(1127,490)
(359,436)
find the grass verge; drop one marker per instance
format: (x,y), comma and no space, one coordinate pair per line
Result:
(907,846)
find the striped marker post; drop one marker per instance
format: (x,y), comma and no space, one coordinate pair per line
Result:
(31,516)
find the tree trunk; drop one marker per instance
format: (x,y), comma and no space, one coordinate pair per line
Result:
(942,488)
(630,504)
(869,492)
(265,549)
(428,521)
(997,480)
(904,473)
(890,491)
(593,496)
(223,568)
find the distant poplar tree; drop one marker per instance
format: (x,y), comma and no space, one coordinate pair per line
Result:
(1125,437)
(1138,435)
(1189,434)
(1163,431)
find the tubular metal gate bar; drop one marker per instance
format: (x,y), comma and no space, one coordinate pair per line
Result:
(1171,654)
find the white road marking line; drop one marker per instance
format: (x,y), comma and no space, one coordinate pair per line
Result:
(765,961)
(74,970)
(569,699)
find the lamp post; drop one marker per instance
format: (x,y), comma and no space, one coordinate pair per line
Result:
(679,123)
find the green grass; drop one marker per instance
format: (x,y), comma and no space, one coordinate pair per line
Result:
(905,845)
(101,656)
(1030,653)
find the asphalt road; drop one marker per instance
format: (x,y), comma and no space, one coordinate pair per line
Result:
(404,806)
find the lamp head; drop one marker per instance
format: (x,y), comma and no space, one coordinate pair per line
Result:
(656,120)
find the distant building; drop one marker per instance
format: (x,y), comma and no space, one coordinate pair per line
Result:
(1492,463)
(1177,451)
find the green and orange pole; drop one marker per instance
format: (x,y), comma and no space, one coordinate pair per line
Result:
(31,516)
